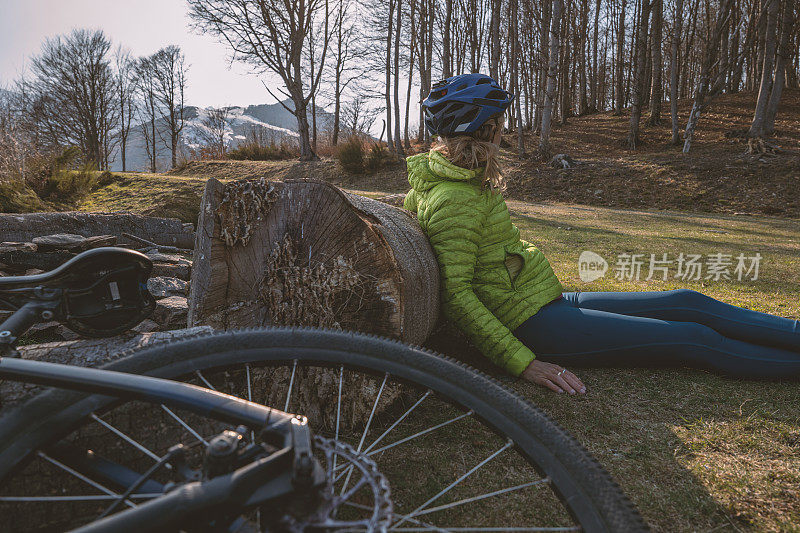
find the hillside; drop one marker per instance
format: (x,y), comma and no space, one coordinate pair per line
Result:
(716,176)
(271,122)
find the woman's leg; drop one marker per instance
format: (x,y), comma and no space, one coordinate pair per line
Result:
(568,335)
(685,305)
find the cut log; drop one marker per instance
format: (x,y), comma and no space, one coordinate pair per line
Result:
(163,231)
(303,252)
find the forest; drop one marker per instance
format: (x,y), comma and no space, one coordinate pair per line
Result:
(372,63)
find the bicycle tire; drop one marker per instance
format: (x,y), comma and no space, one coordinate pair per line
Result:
(589,493)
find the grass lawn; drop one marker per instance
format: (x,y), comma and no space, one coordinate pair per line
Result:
(695,451)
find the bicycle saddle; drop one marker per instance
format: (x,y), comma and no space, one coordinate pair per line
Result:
(103,291)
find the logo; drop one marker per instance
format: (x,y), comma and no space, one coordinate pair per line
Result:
(591,266)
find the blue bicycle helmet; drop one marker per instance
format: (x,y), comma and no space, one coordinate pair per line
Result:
(461,104)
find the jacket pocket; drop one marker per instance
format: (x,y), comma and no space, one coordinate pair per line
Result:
(514,263)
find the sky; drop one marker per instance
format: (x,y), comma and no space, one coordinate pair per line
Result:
(143,26)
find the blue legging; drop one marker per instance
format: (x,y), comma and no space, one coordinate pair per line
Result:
(680,327)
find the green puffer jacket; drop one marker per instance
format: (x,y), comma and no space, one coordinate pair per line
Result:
(472,236)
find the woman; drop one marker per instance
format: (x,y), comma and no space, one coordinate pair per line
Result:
(501,291)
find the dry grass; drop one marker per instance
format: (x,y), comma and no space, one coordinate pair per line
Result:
(694,450)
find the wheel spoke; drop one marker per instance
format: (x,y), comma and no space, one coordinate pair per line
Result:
(366,429)
(83,478)
(426,526)
(338,419)
(452,485)
(409,438)
(204,380)
(125,437)
(484,496)
(402,417)
(184,424)
(291,384)
(421,433)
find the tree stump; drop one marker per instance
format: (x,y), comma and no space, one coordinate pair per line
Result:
(305,253)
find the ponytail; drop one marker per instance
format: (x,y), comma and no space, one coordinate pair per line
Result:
(477,150)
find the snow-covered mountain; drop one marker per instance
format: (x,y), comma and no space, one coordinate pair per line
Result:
(265,121)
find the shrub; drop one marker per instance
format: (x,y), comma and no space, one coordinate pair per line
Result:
(256,151)
(351,155)
(17,197)
(376,158)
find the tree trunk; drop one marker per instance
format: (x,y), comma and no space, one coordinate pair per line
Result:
(552,71)
(387,90)
(398,145)
(303,252)
(657,88)
(494,38)
(780,67)
(620,61)
(447,61)
(765,87)
(638,81)
(595,73)
(705,90)
(673,71)
(300,111)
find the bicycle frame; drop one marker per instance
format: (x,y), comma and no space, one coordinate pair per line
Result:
(264,479)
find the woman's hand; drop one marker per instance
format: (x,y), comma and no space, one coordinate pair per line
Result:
(553,377)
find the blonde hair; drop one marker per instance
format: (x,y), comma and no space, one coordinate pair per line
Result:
(476,150)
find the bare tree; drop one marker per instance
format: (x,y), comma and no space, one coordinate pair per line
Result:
(146,89)
(271,35)
(396,89)
(125,85)
(494,40)
(673,70)
(358,117)
(620,61)
(74,85)
(169,74)
(552,71)
(638,80)
(657,88)
(346,62)
(706,88)
(781,62)
(765,87)
(212,134)
(387,91)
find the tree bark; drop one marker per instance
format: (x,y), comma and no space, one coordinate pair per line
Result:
(398,27)
(657,89)
(447,62)
(705,90)
(387,93)
(673,71)
(552,71)
(638,81)
(620,61)
(303,252)
(765,87)
(787,26)
(494,39)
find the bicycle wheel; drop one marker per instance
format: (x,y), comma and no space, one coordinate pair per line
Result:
(460,451)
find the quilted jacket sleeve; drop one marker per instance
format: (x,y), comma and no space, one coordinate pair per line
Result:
(454,229)
(410,201)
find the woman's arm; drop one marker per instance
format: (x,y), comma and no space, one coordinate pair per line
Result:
(454,230)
